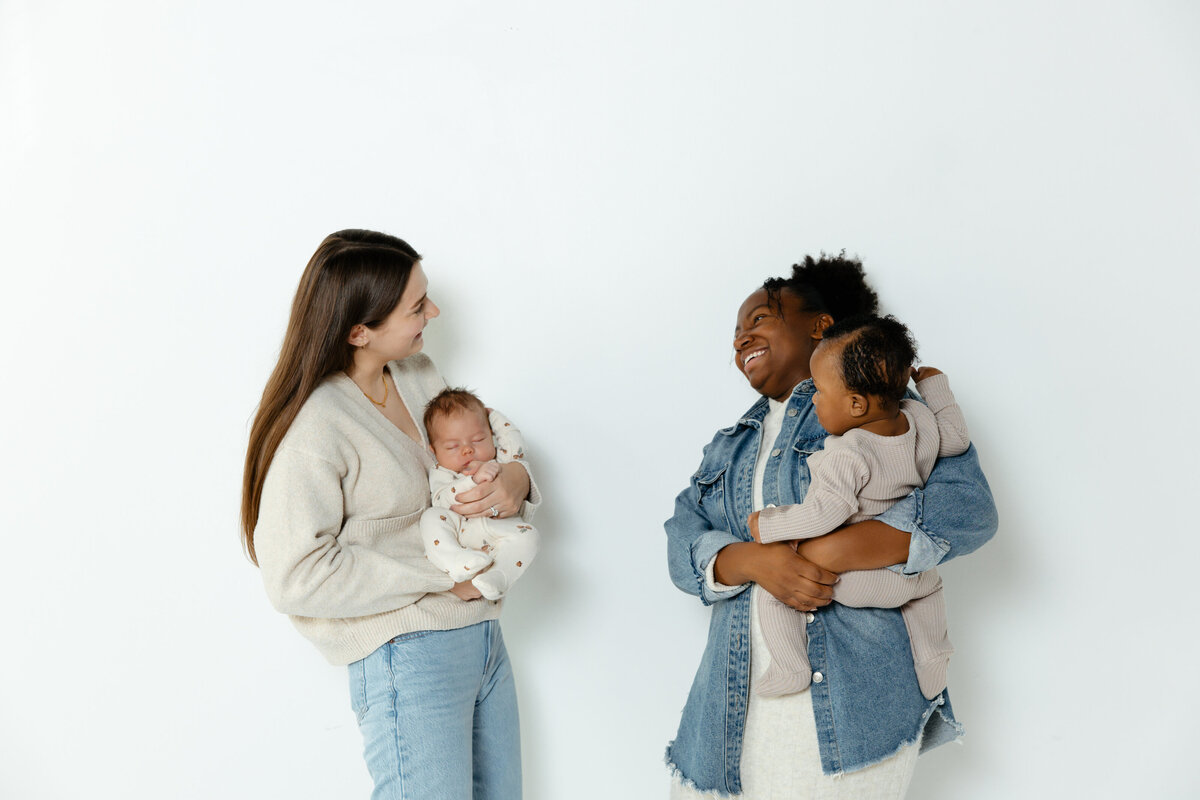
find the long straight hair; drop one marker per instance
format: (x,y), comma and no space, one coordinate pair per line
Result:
(355,277)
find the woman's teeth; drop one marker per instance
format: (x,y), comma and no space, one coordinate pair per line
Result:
(746,359)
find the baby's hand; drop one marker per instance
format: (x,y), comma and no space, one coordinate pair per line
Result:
(472,467)
(924,372)
(483,471)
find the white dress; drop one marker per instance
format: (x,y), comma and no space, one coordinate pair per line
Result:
(780,754)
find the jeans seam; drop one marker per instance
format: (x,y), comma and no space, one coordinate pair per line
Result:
(361,685)
(399,750)
(489,668)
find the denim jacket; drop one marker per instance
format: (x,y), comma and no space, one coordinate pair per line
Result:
(869,704)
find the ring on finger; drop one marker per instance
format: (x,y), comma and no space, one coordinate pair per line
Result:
(495,512)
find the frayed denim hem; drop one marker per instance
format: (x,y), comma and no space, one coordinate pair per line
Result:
(931,733)
(944,729)
(687,783)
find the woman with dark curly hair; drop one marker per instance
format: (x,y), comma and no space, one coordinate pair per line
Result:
(857,730)
(336,481)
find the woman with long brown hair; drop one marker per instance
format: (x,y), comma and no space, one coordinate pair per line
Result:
(334,487)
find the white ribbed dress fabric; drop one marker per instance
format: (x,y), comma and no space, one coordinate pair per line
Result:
(781,758)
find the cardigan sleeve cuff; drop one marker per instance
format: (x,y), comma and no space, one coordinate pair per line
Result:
(529,507)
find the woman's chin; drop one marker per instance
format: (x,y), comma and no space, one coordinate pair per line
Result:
(757,382)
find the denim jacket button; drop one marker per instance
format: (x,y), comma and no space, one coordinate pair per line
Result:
(809,617)
(792,412)
(770,505)
(818,677)
(775,452)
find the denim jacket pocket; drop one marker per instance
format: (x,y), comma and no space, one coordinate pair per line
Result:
(802,451)
(710,496)
(806,447)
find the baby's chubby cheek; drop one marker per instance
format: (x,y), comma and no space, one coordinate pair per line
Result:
(450,462)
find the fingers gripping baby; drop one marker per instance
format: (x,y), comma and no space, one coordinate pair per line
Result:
(469,443)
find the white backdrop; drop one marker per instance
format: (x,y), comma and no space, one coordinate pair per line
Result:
(595,188)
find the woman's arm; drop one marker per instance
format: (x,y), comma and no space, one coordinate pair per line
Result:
(791,578)
(693,542)
(309,568)
(952,516)
(865,545)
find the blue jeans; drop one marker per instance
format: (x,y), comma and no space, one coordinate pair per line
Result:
(438,715)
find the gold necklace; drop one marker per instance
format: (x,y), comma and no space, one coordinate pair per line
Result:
(380,403)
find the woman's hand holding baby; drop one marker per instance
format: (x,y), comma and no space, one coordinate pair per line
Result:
(465,591)
(779,570)
(505,493)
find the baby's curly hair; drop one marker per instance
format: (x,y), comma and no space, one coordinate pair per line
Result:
(834,285)
(452,400)
(877,353)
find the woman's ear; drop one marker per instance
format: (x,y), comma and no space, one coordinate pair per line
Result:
(820,323)
(859,405)
(358,335)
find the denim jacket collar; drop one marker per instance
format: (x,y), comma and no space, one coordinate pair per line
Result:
(754,416)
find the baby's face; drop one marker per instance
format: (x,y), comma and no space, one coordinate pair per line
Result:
(462,437)
(832,400)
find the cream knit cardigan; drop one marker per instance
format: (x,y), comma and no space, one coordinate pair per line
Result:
(338,537)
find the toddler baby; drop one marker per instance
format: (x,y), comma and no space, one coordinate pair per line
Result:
(491,552)
(881,447)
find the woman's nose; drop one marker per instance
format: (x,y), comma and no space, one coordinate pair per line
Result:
(432,310)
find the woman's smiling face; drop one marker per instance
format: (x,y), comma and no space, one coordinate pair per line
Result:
(774,340)
(400,334)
